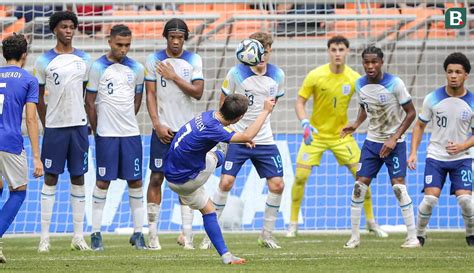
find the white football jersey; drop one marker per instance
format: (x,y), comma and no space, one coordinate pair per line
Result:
(383,103)
(175,108)
(453,120)
(116,85)
(63,76)
(242,80)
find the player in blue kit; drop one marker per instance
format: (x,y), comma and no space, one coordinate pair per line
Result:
(190,161)
(17,89)
(451,108)
(62,71)
(383,98)
(173,80)
(257,83)
(114,95)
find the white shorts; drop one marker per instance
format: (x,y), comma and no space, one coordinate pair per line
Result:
(192,192)
(14,168)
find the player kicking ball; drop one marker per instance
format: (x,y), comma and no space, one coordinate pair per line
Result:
(17,89)
(114,95)
(383,98)
(451,108)
(190,161)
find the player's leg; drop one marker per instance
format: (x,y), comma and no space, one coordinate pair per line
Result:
(15,169)
(53,155)
(77,163)
(99,197)
(370,164)
(158,151)
(130,169)
(434,178)
(308,156)
(461,186)
(397,166)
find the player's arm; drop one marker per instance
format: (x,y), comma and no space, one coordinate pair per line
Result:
(251,131)
(300,108)
(350,128)
(138,102)
(417,134)
(32,126)
(164,133)
(455,148)
(91,110)
(194,89)
(410,114)
(42,106)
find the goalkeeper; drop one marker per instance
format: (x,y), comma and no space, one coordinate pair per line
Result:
(332,86)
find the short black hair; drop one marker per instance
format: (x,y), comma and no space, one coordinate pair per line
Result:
(62,16)
(458,58)
(120,30)
(339,39)
(176,24)
(14,46)
(373,50)
(234,106)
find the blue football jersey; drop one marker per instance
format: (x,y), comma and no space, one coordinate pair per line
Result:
(17,87)
(187,154)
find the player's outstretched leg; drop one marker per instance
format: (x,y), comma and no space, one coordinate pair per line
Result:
(465,202)
(8,213)
(406,205)
(424,213)
(358,195)
(185,238)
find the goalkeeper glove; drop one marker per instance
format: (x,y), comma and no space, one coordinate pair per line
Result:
(308,131)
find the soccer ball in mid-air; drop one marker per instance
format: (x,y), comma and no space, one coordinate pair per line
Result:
(250,52)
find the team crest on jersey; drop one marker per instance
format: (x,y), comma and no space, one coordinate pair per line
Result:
(186,72)
(102,171)
(130,77)
(428,179)
(465,115)
(346,89)
(48,163)
(228,165)
(383,98)
(158,162)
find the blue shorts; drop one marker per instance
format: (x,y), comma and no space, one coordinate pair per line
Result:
(158,151)
(460,174)
(265,158)
(61,144)
(370,161)
(118,157)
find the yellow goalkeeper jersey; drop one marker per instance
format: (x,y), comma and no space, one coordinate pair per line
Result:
(331,94)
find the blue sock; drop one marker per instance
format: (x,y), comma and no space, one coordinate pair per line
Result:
(10,209)
(214,232)
(220,158)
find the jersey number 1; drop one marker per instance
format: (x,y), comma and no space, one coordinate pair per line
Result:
(2,96)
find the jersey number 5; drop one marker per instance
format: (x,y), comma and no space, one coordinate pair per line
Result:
(2,96)
(188,130)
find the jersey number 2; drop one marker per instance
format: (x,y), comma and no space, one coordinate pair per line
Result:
(188,130)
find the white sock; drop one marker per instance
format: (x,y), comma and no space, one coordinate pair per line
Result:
(271,212)
(357,201)
(220,199)
(424,214)
(136,206)
(48,194)
(78,203)
(153,211)
(187,215)
(98,202)
(406,206)
(465,201)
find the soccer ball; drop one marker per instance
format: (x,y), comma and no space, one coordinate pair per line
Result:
(250,52)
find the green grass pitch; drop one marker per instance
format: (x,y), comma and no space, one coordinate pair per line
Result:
(443,252)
